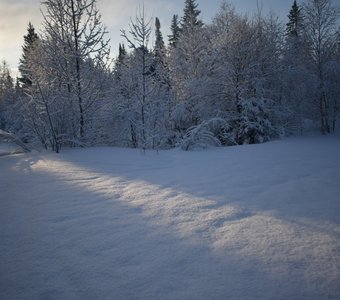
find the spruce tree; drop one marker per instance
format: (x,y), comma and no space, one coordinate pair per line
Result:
(159,44)
(119,62)
(121,53)
(295,20)
(30,40)
(296,38)
(159,49)
(190,18)
(160,64)
(175,31)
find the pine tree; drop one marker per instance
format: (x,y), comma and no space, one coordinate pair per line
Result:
(190,19)
(175,31)
(30,40)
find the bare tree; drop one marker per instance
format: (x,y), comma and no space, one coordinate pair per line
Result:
(138,39)
(321,19)
(76,36)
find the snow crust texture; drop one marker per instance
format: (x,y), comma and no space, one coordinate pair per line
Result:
(245,222)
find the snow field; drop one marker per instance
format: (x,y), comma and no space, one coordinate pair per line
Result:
(249,222)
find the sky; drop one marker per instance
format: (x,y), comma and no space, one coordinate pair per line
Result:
(116,14)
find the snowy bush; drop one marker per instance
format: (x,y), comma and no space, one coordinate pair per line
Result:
(213,132)
(254,125)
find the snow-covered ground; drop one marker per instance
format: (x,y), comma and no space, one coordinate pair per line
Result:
(247,222)
(7,148)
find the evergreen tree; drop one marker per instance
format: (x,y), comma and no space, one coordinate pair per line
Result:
(161,96)
(30,40)
(159,43)
(6,80)
(297,46)
(119,70)
(190,18)
(121,53)
(9,111)
(159,49)
(119,62)
(295,20)
(188,71)
(175,31)
(295,72)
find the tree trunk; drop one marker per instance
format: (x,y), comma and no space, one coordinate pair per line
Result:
(78,72)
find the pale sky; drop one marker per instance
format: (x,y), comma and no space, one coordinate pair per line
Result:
(116,14)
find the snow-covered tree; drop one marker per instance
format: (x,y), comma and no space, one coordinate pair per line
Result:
(138,77)
(161,97)
(11,115)
(248,52)
(332,89)
(238,80)
(321,18)
(298,81)
(48,110)
(6,92)
(68,69)
(188,69)
(75,36)
(6,80)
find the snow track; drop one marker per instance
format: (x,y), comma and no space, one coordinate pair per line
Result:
(250,222)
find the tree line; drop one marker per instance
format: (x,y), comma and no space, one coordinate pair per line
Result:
(236,80)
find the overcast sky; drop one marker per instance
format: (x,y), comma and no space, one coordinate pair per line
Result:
(116,14)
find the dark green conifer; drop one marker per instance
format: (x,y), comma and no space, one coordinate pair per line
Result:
(295,20)
(190,18)
(159,44)
(175,31)
(30,40)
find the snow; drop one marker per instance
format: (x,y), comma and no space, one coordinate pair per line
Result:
(243,222)
(7,148)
